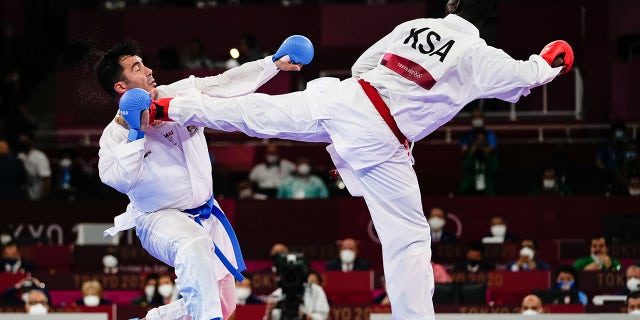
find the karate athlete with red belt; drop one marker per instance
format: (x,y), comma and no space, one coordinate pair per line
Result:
(165,171)
(404,87)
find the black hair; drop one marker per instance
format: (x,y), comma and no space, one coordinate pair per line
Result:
(632,295)
(446,215)
(476,246)
(109,70)
(318,275)
(599,236)
(533,241)
(152,276)
(567,268)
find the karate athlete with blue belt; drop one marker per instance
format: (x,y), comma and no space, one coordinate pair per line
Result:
(402,88)
(164,169)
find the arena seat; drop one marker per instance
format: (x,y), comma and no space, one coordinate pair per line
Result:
(349,287)
(508,287)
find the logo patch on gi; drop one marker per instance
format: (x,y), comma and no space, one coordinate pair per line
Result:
(192,130)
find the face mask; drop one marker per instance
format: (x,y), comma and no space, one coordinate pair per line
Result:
(563,284)
(477,123)
(549,183)
(636,312)
(149,291)
(65,163)
(347,256)
(619,134)
(25,297)
(38,309)
(436,223)
(473,263)
(304,169)
(245,193)
(526,251)
(498,230)
(109,261)
(529,312)
(272,159)
(5,238)
(165,290)
(91,301)
(242,294)
(633,284)
(634,192)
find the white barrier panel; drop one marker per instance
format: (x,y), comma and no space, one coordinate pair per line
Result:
(513,316)
(56,316)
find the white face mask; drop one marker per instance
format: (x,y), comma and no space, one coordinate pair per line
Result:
(436,223)
(5,238)
(109,261)
(634,192)
(529,312)
(304,169)
(477,122)
(633,284)
(636,312)
(347,256)
(245,193)
(499,230)
(25,297)
(65,163)
(272,159)
(526,251)
(91,301)
(38,309)
(549,183)
(149,291)
(242,294)
(165,290)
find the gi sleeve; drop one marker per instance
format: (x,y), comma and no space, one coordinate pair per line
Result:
(497,75)
(237,81)
(120,162)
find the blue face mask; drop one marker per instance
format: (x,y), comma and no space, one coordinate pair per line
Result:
(561,284)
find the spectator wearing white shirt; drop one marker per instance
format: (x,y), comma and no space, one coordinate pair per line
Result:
(268,175)
(38,169)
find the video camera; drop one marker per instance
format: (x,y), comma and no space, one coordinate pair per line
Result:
(292,270)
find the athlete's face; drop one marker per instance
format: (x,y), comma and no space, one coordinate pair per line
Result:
(136,75)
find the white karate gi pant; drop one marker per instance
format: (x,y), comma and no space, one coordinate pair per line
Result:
(174,238)
(342,114)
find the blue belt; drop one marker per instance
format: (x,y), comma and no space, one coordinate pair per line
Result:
(204,212)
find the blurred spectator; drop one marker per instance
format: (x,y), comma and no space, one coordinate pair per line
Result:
(633,303)
(551,184)
(633,186)
(527,260)
(195,56)
(498,231)
(382,298)
(479,167)
(477,126)
(37,303)
(610,157)
(150,296)
(531,305)
(437,220)
(5,236)
(474,261)
(12,262)
(599,258)
(17,294)
(36,164)
(633,278)
(248,48)
(244,294)
(268,175)
(12,173)
(440,274)
(66,174)
(167,289)
(245,191)
(349,259)
(567,280)
(92,295)
(315,277)
(303,184)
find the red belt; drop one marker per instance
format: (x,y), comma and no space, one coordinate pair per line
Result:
(383,109)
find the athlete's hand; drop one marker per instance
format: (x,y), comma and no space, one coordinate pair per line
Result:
(285,64)
(558,53)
